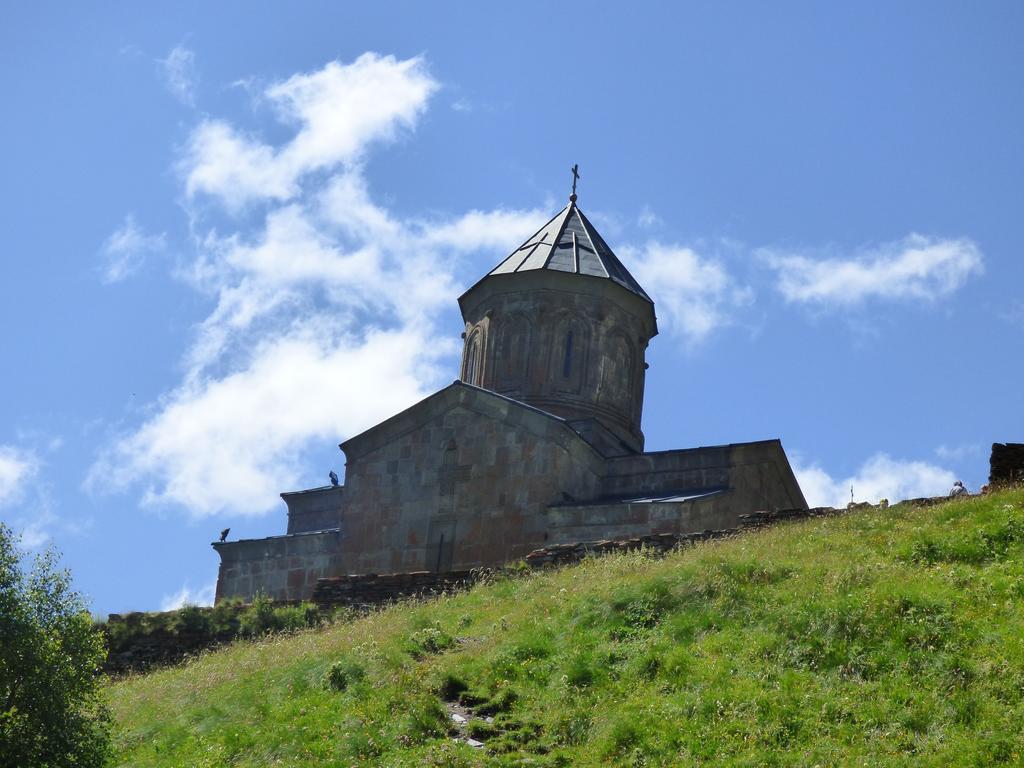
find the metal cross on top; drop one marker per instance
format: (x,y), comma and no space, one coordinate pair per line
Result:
(575,178)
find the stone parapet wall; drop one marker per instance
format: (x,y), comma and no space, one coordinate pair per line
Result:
(373,589)
(653,473)
(160,649)
(283,568)
(663,543)
(318,509)
(1006,465)
(757,474)
(623,521)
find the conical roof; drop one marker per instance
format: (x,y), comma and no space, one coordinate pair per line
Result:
(569,243)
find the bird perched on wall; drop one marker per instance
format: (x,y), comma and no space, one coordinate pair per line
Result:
(334,478)
(224,534)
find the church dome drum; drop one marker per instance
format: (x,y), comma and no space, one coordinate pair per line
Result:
(561,325)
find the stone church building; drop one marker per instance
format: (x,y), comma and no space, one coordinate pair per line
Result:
(537,443)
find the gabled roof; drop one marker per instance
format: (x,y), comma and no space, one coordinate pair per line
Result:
(569,243)
(459,393)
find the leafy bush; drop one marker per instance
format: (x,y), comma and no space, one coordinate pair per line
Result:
(343,673)
(263,617)
(190,619)
(138,641)
(51,713)
(430,640)
(224,617)
(290,618)
(259,618)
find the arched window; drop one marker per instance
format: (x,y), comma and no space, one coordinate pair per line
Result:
(472,366)
(567,361)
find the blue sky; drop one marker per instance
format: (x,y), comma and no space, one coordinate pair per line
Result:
(234,234)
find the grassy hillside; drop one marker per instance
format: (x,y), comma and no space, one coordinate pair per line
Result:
(883,637)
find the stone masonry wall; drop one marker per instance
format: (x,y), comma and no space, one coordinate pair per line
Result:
(564,554)
(667,471)
(757,475)
(460,483)
(282,567)
(374,589)
(317,509)
(592,522)
(572,345)
(1006,465)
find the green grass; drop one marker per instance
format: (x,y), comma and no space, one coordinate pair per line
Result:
(882,637)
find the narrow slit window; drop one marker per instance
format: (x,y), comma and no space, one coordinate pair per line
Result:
(567,363)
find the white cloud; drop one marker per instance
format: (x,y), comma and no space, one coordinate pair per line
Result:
(28,496)
(234,167)
(339,110)
(179,71)
(325,308)
(346,204)
(17,468)
(35,530)
(231,442)
(476,230)
(125,251)
(694,294)
(880,477)
(916,267)
(647,218)
(187,596)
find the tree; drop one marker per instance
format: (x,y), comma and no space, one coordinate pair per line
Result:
(51,711)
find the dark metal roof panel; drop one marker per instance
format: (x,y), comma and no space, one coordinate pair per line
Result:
(513,262)
(532,254)
(614,268)
(537,258)
(563,257)
(569,243)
